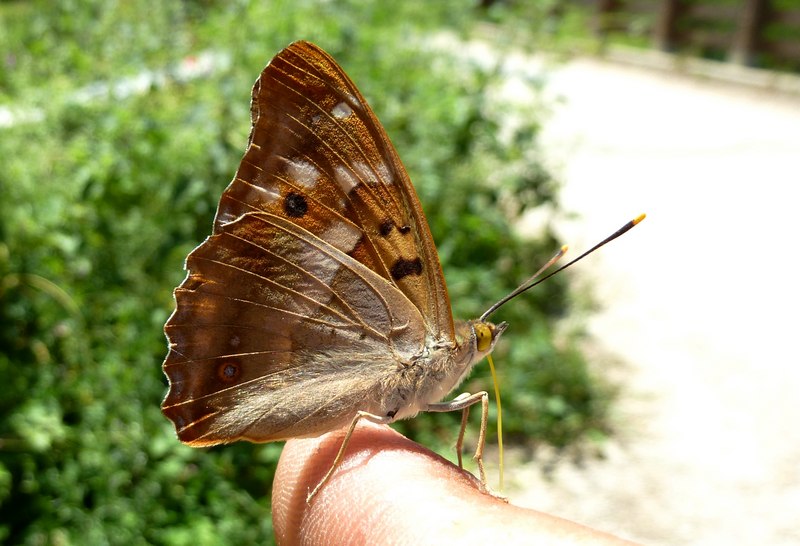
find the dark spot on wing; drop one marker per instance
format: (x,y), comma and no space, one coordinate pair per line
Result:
(228,371)
(403,268)
(386,227)
(295,205)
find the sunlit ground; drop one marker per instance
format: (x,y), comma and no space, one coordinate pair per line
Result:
(699,302)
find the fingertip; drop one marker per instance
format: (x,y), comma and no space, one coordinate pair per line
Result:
(382,478)
(390,490)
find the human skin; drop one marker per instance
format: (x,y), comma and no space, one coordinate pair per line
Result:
(390,490)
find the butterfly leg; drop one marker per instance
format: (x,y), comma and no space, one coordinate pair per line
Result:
(462,403)
(461,431)
(381,420)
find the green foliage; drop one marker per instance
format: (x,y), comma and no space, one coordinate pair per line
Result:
(103,198)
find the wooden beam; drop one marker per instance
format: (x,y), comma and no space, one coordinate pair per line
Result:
(665,33)
(746,42)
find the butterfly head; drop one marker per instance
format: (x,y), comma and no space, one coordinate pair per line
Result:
(481,336)
(474,340)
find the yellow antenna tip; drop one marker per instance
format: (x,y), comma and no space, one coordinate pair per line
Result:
(564,249)
(639,218)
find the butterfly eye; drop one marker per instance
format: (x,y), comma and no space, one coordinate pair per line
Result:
(483,335)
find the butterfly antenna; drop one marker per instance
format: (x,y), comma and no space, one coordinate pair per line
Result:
(525,284)
(533,280)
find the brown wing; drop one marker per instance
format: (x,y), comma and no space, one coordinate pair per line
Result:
(279,335)
(320,279)
(316,145)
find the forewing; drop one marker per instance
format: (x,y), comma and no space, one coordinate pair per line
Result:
(318,156)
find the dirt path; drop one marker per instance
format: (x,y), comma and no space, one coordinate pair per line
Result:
(701,304)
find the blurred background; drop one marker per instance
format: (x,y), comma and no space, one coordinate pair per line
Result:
(650,392)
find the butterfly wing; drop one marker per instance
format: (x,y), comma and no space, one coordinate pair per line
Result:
(318,155)
(278,334)
(320,278)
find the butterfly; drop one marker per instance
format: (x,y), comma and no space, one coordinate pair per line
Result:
(319,299)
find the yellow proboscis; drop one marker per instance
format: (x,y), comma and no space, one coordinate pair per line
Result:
(499,418)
